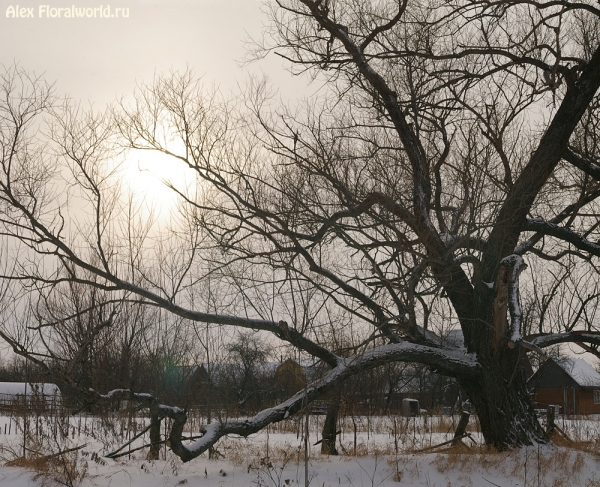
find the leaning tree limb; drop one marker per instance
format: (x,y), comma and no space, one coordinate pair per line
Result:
(459,363)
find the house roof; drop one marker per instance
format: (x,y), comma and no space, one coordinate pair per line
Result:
(569,372)
(581,372)
(455,338)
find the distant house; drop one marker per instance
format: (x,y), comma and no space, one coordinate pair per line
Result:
(572,384)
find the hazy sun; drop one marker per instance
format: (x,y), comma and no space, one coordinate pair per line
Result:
(146,174)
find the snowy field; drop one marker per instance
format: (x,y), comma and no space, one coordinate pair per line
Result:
(383,452)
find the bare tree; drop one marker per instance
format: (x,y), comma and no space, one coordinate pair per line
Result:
(454,141)
(247,358)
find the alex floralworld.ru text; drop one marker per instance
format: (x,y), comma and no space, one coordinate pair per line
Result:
(72,12)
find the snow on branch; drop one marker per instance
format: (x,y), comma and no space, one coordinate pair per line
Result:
(560,217)
(141,398)
(453,362)
(508,289)
(546,340)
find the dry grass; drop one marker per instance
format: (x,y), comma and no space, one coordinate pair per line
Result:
(242,452)
(537,466)
(44,447)
(67,469)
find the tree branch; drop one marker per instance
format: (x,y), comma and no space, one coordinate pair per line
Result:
(543,340)
(455,363)
(545,228)
(586,166)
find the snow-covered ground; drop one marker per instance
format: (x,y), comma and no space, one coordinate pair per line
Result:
(276,457)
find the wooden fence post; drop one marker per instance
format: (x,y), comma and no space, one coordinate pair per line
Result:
(461,429)
(550,415)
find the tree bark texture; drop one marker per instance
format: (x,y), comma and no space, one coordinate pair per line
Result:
(329,433)
(504,410)
(154,436)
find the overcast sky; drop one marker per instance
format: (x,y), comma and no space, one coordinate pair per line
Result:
(99,59)
(102,58)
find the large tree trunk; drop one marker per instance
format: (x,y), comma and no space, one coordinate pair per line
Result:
(498,393)
(503,406)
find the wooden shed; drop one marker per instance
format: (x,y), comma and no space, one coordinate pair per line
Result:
(572,384)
